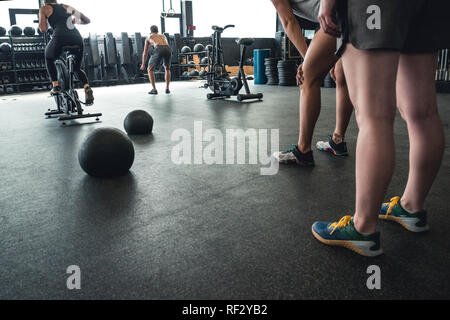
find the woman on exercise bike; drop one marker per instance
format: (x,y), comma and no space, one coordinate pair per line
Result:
(62,18)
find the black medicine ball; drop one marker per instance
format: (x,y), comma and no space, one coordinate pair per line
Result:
(106,152)
(138,122)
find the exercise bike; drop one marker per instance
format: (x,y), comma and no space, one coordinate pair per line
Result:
(218,79)
(68,104)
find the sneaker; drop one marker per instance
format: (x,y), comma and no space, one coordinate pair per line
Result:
(414,222)
(89,94)
(339,150)
(294,156)
(55,91)
(167,91)
(344,234)
(153,92)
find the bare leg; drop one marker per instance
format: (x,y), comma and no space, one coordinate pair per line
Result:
(417,103)
(151,76)
(344,106)
(168,77)
(373,95)
(319,59)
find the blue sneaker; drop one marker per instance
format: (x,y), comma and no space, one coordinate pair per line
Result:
(393,211)
(344,234)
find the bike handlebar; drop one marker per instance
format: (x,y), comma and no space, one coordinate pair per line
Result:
(229,26)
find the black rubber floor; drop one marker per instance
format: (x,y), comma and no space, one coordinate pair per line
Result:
(197,232)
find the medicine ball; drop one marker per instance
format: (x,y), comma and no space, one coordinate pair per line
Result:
(185,73)
(2,91)
(185,49)
(15,31)
(138,122)
(199,47)
(204,60)
(209,48)
(202,73)
(106,152)
(5,47)
(2,32)
(29,31)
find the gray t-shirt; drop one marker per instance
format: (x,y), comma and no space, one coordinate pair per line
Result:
(306,9)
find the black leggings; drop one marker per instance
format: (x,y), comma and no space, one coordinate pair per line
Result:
(54,50)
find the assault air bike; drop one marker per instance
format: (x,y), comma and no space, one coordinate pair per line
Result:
(218,79)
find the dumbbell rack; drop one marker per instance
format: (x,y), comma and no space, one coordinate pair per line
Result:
(184,57)
(7,75)
(28,59)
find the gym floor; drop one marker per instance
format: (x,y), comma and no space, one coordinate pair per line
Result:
(198,232)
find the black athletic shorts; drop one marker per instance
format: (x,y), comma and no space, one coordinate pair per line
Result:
(161,54)
(408,26)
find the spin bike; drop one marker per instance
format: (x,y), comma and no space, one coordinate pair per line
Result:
(218,79)
(68,104)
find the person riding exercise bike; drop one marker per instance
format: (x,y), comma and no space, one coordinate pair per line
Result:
(62,18)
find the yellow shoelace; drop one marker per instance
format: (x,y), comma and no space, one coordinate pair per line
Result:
(345,221)
(392,204)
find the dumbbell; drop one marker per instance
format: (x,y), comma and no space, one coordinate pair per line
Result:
(2,90)
(19,79)
(10,66)
(5,80)
(9,89)
(3,67)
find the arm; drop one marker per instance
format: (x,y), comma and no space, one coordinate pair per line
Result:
(291,26)
(145,54)
(327,16)
(43,26)
(80,18)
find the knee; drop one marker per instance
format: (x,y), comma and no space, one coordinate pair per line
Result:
(311,78)
(419,115)
(151,69)
(375,118)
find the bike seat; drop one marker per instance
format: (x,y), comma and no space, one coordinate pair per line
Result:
(216,28)
(245,41)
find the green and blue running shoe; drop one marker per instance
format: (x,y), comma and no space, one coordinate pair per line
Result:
(339,150)
(393,211)
(344,234)
(294,156)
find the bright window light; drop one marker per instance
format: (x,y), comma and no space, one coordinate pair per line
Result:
(254,18)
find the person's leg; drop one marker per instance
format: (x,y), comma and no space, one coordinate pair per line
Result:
(374,97)
(52,52)
(168,77)
(344,106)
(167,64)
(418,104)
(151,77)
(344,109)
(82,76)
(319,59)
